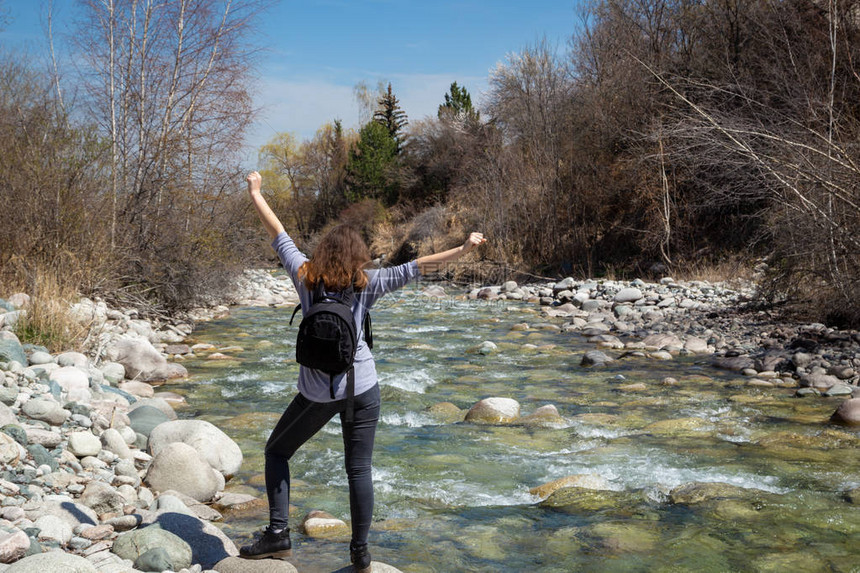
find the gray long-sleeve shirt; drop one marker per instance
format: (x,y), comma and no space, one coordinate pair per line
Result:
(315,384)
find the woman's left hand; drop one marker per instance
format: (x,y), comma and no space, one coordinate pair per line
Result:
(473,241)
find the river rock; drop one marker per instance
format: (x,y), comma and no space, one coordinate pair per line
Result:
(7,416)
(10,450)
(113,372)
(52,562)
(544,417)
(157,402)
(113,442)
(848,413)
(53,528)
(102,498)
(84,444)
(19,300)
(179,466)
(72,359)
(11,349)
(39,357)
(628,295)
(74,514)
(322,524)
(46,411)
(585,481)
(136,388)
(241,565)
(697,345)
(236,503)
(13,545)
(840,389)
(494,411)
(140,359)
(820,381)
(662,340)
(216,447)
(632,537)
(595,358)
(699,492)
(133,544)
(734,363)
(209,545)
(145,418)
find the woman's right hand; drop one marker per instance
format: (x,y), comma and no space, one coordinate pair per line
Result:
(255,182)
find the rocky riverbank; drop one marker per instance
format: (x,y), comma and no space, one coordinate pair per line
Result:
(98,474)
(667,319)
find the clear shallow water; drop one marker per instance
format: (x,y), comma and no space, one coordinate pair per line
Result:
(455,496)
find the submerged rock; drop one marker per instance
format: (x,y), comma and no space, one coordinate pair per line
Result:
(699,492)
(584,481)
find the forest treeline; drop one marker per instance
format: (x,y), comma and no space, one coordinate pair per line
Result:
(667,136)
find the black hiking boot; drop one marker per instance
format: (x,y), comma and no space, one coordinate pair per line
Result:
(360,557)
(269,544)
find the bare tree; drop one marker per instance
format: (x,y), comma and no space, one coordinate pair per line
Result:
(168,84)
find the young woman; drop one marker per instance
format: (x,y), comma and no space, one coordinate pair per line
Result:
(338,261)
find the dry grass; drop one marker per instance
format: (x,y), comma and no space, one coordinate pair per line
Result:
(48,321)
(723,270)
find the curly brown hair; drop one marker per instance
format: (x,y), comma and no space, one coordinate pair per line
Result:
(337,261)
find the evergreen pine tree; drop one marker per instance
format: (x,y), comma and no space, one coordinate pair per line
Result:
(458,103)
(391,117)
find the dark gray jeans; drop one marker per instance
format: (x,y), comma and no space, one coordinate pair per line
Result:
(299,422)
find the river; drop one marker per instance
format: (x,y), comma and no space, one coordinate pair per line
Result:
(455,496)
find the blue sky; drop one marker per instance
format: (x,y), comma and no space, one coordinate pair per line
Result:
(317,50)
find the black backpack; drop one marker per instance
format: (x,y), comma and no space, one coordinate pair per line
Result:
(327,339)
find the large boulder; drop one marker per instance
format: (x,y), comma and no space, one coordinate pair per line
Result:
(494,411)
(848,413)
(209,545)
(140,359)
(52,562)
(216,447)
(145,418)
(179,466)
(134,544)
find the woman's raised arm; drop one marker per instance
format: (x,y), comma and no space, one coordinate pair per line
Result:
(436,262)
(267,216)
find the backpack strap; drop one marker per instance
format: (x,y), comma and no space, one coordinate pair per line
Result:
(295,310)
(368,331)
(350,393)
